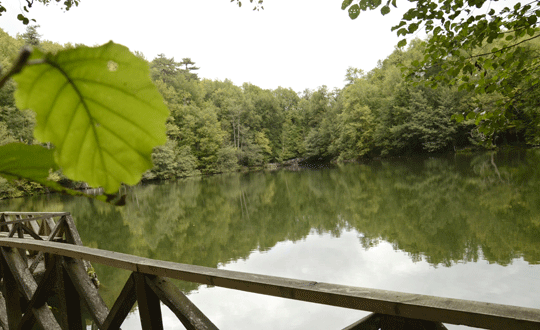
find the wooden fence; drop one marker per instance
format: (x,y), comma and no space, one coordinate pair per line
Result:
(40,239)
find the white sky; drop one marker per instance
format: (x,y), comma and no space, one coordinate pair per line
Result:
(291,43)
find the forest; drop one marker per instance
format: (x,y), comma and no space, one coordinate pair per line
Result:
(215,126)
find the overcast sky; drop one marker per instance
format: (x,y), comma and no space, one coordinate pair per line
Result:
(291,43)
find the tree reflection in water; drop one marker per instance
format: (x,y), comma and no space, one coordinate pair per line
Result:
(444,210)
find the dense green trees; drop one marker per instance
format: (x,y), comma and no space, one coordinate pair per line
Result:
(216,126)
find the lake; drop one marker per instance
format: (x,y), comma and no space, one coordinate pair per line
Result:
(463,226)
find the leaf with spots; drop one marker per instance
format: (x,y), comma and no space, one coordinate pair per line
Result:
(99,108)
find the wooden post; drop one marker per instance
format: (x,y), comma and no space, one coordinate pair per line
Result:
(25,281)
(10,291)
(149,308)
(68,298)
(3,227)
(369,322)
(122,306)
(86,290)
(3,313)
(190,316)
(39,298)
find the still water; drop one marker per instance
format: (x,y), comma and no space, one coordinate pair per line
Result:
(459,226)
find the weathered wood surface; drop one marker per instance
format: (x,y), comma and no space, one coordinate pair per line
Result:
(10,291)
(3,313)
(26,282)
(190,316)
(86,289)
(122,306)
(446,310)
(48,214)
(379,321)
(149,306)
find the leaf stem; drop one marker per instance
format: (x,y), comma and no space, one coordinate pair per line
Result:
(21,62)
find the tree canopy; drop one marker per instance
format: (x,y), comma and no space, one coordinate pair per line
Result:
(482,46)
(479,45)
(485,68)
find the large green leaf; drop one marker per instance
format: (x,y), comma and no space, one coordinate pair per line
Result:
(99,108)
(21,161)
(34,163)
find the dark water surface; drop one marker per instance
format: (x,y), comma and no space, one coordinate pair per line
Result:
(459,226)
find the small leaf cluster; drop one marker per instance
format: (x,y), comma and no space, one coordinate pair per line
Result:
(67,4)
(258,4)
(363,5)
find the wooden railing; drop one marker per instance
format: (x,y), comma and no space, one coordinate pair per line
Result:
(24,302)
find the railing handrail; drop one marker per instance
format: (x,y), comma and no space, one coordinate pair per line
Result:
(446,310)
(52,214)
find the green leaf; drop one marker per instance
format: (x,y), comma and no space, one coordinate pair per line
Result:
(34,163)
(385,10)
(99,108)
(21,161)
(458,117)
(22,18)
(345,4)
(402,31)
(402,43)
(413,27)
(354,11)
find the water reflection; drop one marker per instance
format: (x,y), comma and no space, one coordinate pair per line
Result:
(444,211)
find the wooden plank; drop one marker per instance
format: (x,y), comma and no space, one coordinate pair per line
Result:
(3,226)
(28,286)
(35,263)
(24,228)
(30,219)
(13,230)
(10,291)
(33,224)
(52,232)
(446,310)
(20,234)
(375,321)
(148,301)
(73,302)
(63,300)
(50,214)
(7,218)
(39,298)
(86,289)
(190,316)
(72,235)
(55,229)
(369,322)
(52,224)
(3,313)
(44,228)
(26,236)
(403,323)
(122,306)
